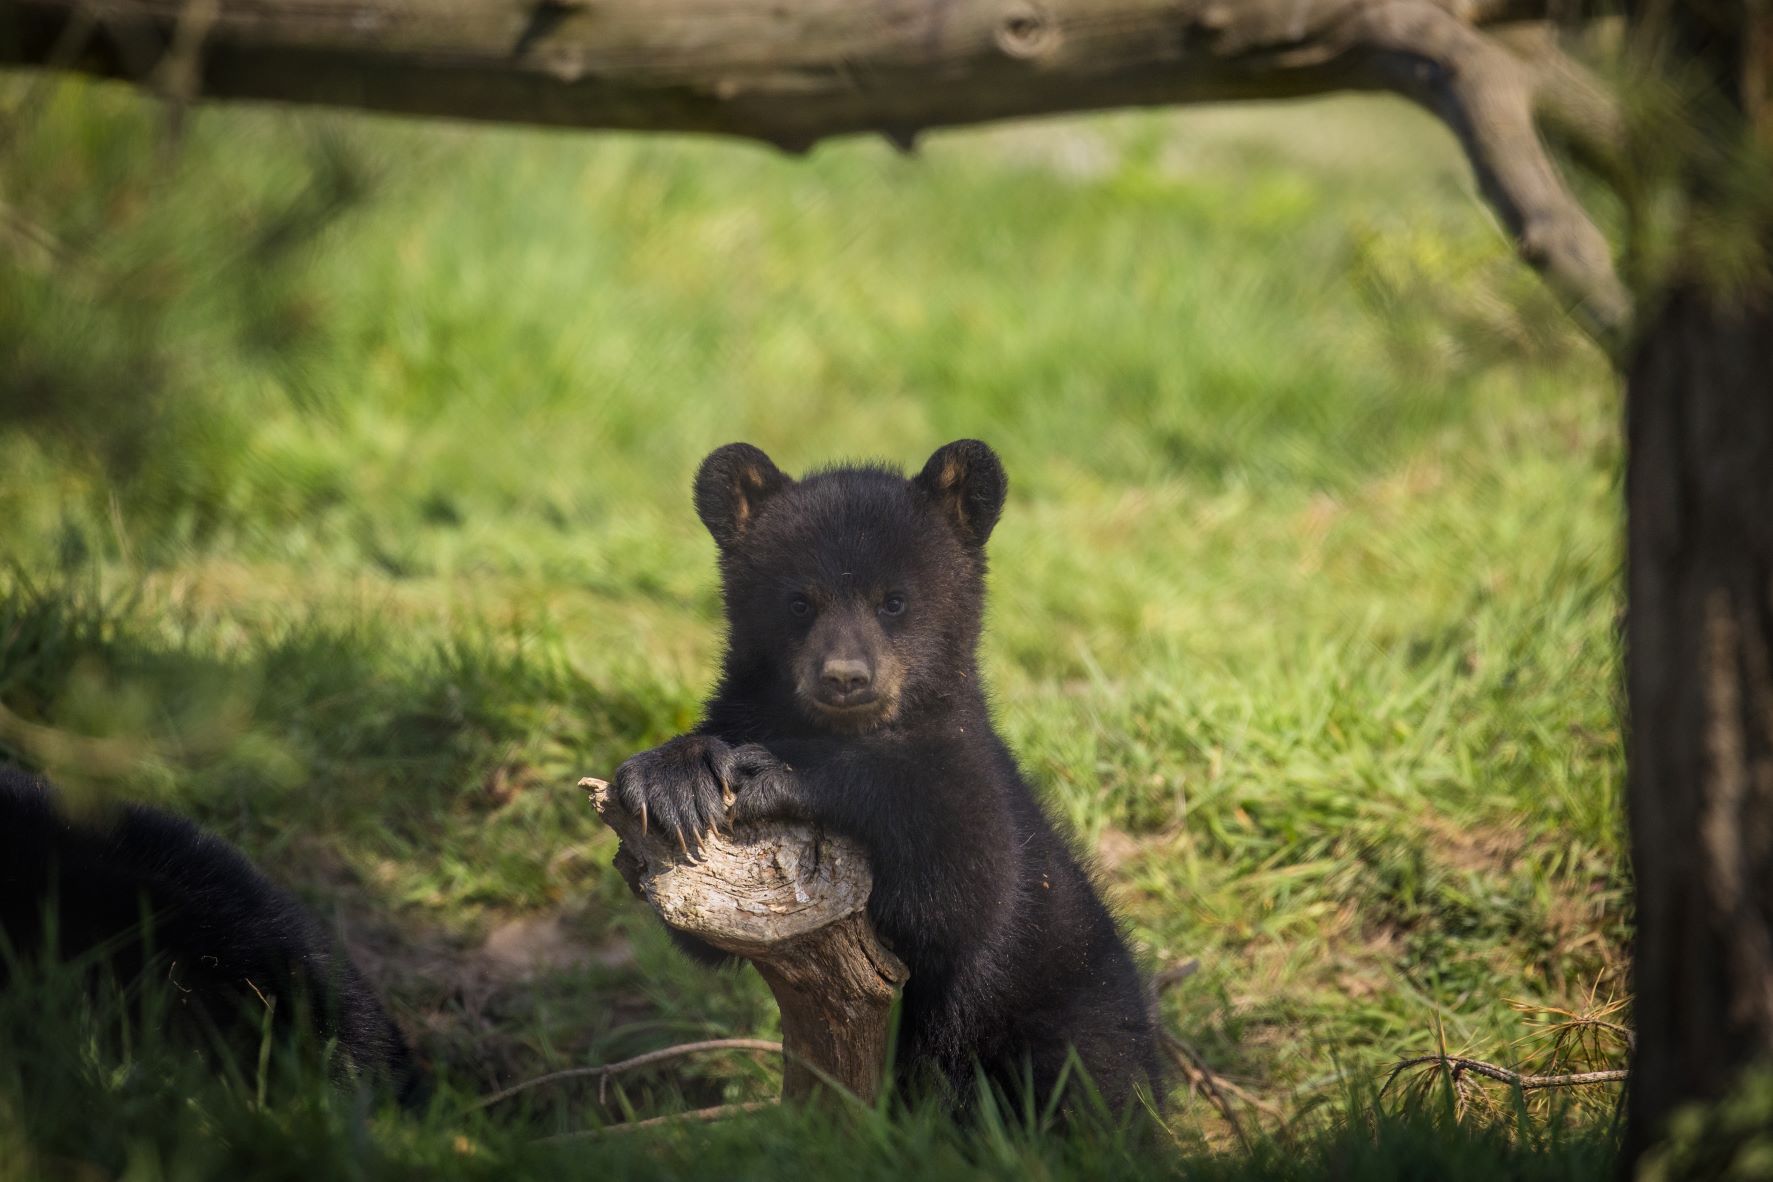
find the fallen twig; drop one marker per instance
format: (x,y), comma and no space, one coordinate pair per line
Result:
(1203,1078)
(1252,1099)
(1194,1068)
(1460,1066)
(1175,974)
(604,1071)
(718,1112)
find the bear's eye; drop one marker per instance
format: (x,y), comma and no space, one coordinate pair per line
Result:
(893,605)
(801,606)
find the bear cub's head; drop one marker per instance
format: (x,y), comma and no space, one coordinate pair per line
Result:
(853,591)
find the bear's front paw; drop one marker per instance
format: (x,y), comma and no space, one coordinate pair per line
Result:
(683,788)
(764,788)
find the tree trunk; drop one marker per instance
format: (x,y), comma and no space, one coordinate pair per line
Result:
(1699,490)
(791,72)
(1700,644)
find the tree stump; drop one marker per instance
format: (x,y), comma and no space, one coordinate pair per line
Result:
(792,900)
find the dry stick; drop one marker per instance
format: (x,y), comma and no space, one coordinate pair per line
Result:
(1199,1074)
(1175,974)
(719,1112)
(1526,1083)
(833,1087)
(1167,980)
(1250,1098)
(606,1070)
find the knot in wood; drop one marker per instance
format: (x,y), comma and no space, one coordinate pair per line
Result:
(1026,31)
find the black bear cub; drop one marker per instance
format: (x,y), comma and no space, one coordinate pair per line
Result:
(850,696)
(139,895)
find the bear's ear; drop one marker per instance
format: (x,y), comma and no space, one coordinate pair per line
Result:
(731,486)
(968,484)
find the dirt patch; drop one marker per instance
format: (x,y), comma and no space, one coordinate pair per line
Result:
(1115,848)
(1474,848)
(529,946)
(477,1006)
(1366,965)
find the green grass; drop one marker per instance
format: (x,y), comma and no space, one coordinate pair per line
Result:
(346,509)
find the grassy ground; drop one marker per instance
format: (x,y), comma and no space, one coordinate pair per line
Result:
(345,508)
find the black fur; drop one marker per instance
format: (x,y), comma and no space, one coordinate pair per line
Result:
(227,939)
(850,696)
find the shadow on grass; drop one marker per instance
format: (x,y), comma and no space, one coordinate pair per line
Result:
(335,724)
(419,792)
(422,791)
(92,1091)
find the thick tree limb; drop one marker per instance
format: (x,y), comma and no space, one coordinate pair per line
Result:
(791,900)
(792,72)
(1489,98)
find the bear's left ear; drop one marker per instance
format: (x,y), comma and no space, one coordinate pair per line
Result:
(731,486)
(968,484)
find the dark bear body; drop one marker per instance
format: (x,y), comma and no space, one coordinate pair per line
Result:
(227,938)
(850,696)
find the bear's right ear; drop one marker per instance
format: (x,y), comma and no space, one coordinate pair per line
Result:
(967,482)
(731,486)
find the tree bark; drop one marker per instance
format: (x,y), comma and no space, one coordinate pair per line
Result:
(1700,642)
(1699,395)
(792,72)
(792,900)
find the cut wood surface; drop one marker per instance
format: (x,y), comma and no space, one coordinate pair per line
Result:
(792,72)
(792,900)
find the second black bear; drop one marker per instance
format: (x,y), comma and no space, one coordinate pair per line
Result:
(850,696)
(137,891)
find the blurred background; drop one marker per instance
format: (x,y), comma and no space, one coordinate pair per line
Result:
(344,471)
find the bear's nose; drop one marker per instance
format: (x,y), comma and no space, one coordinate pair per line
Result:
(846,675)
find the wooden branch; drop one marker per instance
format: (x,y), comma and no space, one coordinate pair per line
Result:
(1526,1083)
(693,1116)
(792,72)
(1204,1079)
(792,900)
(1490,99)
(603,1071)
